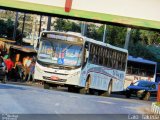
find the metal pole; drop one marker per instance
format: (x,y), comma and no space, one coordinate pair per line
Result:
(127,38)
(24,18)
(104,33)
(49,23)
(15,26)
(83,28)
(40,24)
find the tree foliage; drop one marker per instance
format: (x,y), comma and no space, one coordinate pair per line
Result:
(7,28)
(143,43)
(66,25)
(116,35)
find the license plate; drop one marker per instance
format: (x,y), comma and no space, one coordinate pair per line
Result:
(54,78)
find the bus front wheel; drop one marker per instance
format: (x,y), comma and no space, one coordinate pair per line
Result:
(46,85)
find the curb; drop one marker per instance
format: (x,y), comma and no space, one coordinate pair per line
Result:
(155,109)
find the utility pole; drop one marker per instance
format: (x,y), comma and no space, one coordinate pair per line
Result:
(104,33)
(24,18)
(40,24)
(15,26)
(49,23)
(83,28)
(127,38)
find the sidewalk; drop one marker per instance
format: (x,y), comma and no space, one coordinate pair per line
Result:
(36,84)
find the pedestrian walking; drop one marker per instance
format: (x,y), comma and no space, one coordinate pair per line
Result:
(19,70)
(31,71)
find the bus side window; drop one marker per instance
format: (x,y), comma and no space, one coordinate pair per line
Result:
(91,53)
(94,50)
(100,58)
(116,58)
(119,61)
(104,56)
(110,58)
(124,61)
(95,57)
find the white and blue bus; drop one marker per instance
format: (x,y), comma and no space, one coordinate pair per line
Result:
(73,60)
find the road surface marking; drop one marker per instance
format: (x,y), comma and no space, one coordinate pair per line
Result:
(105,102)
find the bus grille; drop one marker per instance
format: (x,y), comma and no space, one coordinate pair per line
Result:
(55,73)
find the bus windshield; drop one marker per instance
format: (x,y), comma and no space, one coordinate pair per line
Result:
(60,52)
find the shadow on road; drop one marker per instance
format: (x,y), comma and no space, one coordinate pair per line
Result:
(7,86)
(65,89)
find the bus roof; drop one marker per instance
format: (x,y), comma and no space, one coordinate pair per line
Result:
(141,60)
(26,49)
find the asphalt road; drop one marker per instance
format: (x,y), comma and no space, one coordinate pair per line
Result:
(29,101)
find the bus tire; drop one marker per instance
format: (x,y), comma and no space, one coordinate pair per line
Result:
(109,90)
(82,91)
(71,89)
(128,95)
(85,90)
(46,85)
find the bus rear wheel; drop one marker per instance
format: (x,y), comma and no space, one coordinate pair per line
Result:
(109,90)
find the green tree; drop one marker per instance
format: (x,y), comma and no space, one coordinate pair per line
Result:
(2,28)
(91,31)
(66,25)
(9,28)
(116,35)
(139,50)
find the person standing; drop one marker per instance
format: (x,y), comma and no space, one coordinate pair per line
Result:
(31,71)
(9,65)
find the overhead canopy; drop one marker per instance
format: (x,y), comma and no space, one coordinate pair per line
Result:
(134,13)
(23,49)
(141,60)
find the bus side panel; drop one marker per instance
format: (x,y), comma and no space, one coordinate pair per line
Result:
(101,76)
